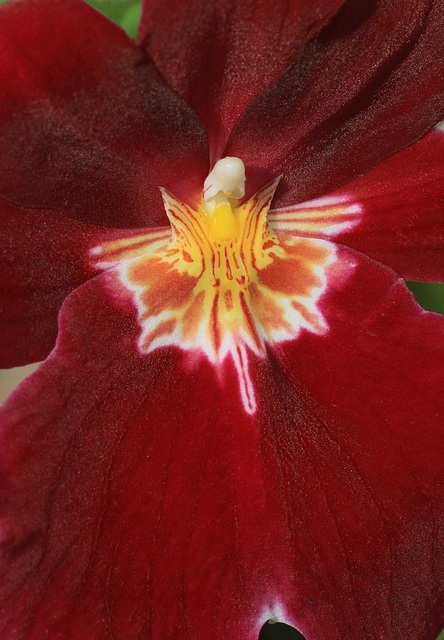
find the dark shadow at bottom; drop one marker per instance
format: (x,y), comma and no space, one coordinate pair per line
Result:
(279,631)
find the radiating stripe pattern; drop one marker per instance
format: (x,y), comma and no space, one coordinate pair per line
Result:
(328,216)
(223,299)
(113,252)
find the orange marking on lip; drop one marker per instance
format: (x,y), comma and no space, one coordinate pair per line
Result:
(214,328)
(306,249)
(225,296)
(249,320)
(228,272)
(164,329)
(295,277)
(267,309)
(193,316)
(186,256)
(228,298)
(163,287)
(311,318)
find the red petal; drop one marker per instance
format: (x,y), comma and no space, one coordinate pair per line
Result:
(369,84)
(393,213)
(375,386)
(141,500)
(220,55)
(87,127)
(44,255)
(402,203)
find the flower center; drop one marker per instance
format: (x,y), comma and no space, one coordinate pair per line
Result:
(222,282)
(224,185)
(217,252)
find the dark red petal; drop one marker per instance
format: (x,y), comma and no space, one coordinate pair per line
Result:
(394,213)
(220,54)
(369,84)
(402,221)
(43,257)
(140,500)
(369,453)
(87,127)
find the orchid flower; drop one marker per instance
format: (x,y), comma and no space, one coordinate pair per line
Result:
(206,235)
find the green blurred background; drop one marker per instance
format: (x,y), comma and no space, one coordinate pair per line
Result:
(126,13)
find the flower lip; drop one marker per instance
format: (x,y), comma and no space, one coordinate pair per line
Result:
(223,295)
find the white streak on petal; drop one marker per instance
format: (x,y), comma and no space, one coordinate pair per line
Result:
(240,359)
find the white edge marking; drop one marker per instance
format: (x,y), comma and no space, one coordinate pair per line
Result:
(273,614)
(326,201)
(240,358)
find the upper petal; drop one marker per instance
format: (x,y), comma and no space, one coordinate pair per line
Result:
(87,127)
(221,54)
(367,85)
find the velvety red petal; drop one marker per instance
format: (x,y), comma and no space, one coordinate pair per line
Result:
(139,499)
(369,453)
(220,54)
(87,127)
(44,255)
(394,213)
(367,85)
(402,201)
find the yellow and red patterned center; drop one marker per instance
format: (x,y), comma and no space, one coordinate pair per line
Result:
(221,281)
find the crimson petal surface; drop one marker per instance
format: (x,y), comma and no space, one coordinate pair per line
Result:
(403,204)
(140,500)
(87,127)
(367,85)
(220,54)
(44,255)
(393,213)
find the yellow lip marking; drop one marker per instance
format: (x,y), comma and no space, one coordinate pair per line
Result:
(221,282)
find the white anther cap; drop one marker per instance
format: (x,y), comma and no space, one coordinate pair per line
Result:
(228,177)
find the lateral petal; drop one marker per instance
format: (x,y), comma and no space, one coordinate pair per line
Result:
(394,213)
(44,255)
